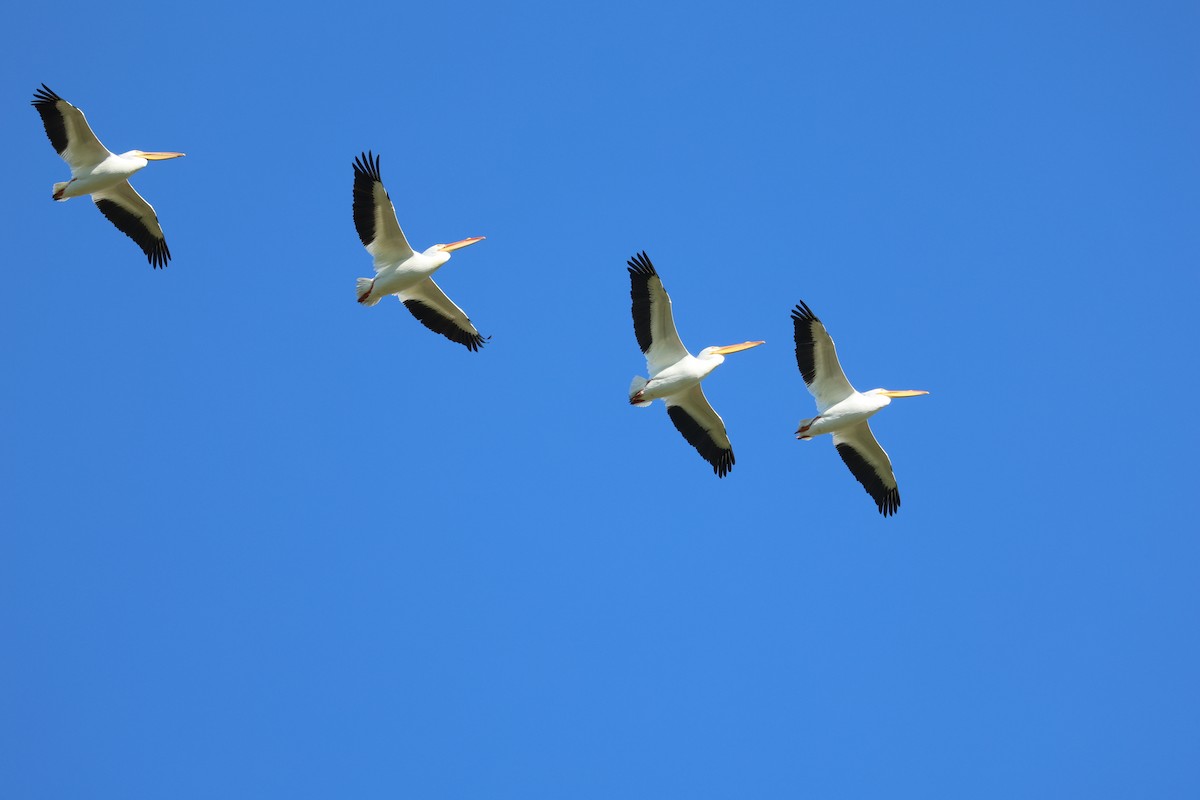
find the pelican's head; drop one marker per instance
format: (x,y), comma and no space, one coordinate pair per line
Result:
(890,393)
(444,250)
(719,353)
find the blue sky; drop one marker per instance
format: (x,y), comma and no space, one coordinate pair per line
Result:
(263,542)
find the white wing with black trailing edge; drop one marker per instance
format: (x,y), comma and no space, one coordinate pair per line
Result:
(374,215)
(870,464)
(433,309)
(135,218)
(818,361)
(653,323)
(703,428)
(69,131)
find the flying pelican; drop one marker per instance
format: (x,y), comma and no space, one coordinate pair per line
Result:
(844,411)
(400,271)
(102,174)
(675,374)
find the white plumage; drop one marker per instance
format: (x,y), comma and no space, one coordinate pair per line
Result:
(398,269)
(843,411)
(102,174)
(675,374)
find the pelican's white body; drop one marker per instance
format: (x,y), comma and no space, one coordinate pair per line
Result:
(402,276)
(89,178)
(843,411)
(683,374)
(97,171)
(858,407)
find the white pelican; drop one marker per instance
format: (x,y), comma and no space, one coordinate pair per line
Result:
(102,174)
(675,374)
(400,271)
(843,411)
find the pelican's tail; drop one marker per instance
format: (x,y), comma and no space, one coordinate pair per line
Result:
(59,188)
(365,285)
(635,392)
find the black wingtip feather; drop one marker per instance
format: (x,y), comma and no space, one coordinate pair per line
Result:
(431,319)
(45,101)
(887,500)
(640,265)
(366,175)
(367,164)
(161,255)
(721,459)
(128,223)
(44,95)
(802,313)
(640,273)
(803,320)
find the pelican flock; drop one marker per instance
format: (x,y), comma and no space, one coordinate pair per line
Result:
(398,269)
(103,174)
(675,374)
(843,411)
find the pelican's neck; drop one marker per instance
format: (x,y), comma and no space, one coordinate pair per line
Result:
(132,161)
(436,255)
(708,362)
(878,397)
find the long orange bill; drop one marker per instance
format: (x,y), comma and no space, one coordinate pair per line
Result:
(733,348)
(462,243)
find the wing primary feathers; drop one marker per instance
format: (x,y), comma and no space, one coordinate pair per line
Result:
(132,226)
(368,164)
(640,273)
(641,265)
(436,322)
(888,500)
(366,174)
(45,101)
(803,320)
(802,311)
(721,459)
(46,94)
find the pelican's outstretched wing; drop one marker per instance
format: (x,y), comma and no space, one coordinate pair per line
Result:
(817,359)
(870,464)
(374,216)
(695,418)
(436,311)
(652,321)
(68,131)
(135,218)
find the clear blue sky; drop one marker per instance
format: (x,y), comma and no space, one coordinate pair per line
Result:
(260,541)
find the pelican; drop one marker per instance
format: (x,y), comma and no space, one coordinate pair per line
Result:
(399,270)
(844,412)
(675,374)
(102,174)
